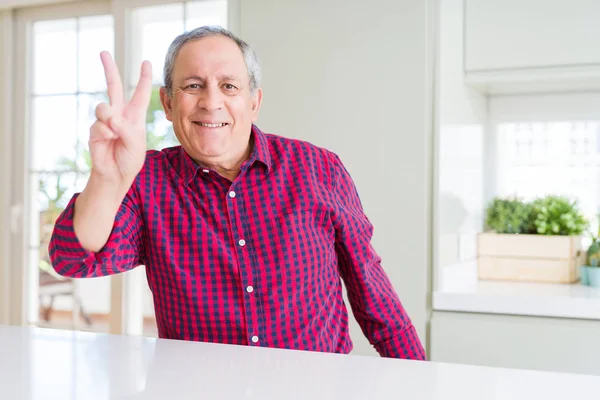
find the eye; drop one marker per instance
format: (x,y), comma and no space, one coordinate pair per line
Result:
(193,86)
(229,87)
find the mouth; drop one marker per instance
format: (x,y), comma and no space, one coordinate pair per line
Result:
(211,124)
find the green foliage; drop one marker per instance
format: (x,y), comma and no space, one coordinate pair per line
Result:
(550,215)
(508,216)
(557,215)
(53,195)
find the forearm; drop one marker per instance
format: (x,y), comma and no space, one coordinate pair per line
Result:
(95,212)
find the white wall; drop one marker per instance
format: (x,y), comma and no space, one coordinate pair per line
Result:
(460,146)
(529,34)
(356,77)
(541,107)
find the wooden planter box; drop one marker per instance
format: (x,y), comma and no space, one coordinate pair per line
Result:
(529,258)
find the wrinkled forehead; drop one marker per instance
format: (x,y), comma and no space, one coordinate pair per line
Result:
(209,58)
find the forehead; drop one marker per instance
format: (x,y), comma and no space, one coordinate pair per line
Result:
(208,57)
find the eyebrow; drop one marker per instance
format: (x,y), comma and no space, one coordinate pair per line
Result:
(221,78)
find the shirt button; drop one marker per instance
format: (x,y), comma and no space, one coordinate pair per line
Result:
(232,194)
(205,171)
(255,339)
(242,242)
(249,289)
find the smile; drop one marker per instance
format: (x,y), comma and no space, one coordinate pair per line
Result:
(208,125)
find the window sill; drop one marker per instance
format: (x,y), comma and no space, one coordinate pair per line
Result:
(459,290)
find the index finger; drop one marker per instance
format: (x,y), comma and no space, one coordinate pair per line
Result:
(113,80)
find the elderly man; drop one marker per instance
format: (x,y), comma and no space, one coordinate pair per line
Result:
(245,236)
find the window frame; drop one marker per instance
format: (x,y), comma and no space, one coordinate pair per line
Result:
(6,114)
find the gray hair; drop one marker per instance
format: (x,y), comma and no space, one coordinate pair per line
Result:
(252,65)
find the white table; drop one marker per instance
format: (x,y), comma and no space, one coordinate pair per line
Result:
(50,364)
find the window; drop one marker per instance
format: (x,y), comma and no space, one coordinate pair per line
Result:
(551,145)
(541,158)
(62,72)
(67,83)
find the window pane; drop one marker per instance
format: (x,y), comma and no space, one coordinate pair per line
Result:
(54,131)
(95,35)
(561,158)
(201,13)
(53,191)
(154,28)
(159,130)
(57,188)
(54,58)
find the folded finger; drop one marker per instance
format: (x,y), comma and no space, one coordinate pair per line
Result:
(104,112)
(100,132)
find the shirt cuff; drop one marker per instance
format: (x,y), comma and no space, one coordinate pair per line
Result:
(65,248)
(404,345)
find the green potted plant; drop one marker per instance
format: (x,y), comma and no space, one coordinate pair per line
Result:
(593,274)
(590,272)
(538,241)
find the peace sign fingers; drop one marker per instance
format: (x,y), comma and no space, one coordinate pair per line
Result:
(113,81)
(138,105)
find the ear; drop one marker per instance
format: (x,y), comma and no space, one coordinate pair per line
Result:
(256,102)
(165,99)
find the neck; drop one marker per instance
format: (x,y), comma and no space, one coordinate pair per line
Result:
(228,167)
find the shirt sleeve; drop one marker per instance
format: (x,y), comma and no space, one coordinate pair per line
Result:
(375,303)
(122,252)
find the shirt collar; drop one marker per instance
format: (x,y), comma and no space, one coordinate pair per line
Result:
(188,168)
(260,152)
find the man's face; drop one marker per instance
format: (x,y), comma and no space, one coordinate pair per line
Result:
(211,106)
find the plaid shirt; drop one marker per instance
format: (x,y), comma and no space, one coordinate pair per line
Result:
(257,261)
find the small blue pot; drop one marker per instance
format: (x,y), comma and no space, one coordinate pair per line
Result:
(594,276)
(584,274)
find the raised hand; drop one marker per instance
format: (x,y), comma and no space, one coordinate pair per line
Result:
(118,137)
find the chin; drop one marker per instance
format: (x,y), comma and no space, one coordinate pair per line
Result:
(209,150)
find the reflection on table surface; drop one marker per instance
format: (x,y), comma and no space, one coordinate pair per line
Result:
(51,364)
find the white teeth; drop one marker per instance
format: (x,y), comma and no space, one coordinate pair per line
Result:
(211,125)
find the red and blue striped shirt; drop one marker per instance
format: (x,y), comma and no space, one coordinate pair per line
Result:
(258,261)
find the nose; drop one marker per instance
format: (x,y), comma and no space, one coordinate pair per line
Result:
(211,99)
